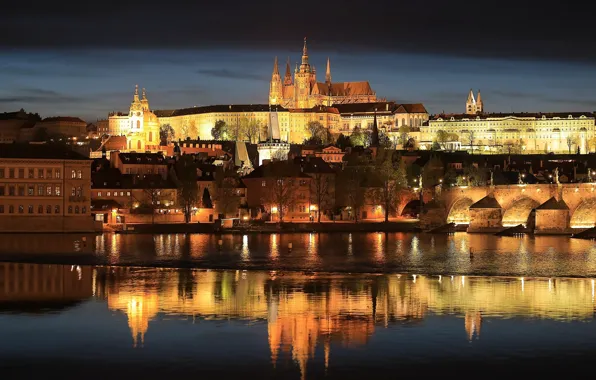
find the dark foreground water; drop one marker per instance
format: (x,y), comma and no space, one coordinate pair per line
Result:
(103,322)
(347,252)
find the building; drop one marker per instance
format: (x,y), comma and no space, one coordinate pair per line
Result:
(139,125)
(44,188)
(63,125)
(524,132)
(330,153)
(12,125)
(273,148)
(140,164)
(303,91)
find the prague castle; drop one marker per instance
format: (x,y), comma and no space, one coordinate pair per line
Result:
(305,92)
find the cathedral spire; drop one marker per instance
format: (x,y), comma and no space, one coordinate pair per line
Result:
(328,72)
(471,97)
(275,67)
(288,76)
(136,96)
(304,55)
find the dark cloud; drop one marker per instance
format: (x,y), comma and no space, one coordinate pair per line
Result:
(38,95)
(228,74)
(505,29)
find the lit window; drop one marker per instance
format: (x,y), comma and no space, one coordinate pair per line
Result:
(79,174)
(73,174)
(57,191)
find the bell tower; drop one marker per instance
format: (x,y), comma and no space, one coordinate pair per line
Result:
(275,87)
(304,77)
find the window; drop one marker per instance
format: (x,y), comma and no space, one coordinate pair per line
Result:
(30,190)
(79,191)
(76,209)
(128,193)
(30,209)
(122,193)
(109,193)
(70,209)
(21,191)
(263,183)
(73,174)
(150,136)
(40,190)
(57,209)
(21,209)
(84,210)
(99,193)
(139,144)
(11,173)
(48,209)
(57,173)
(79,174)
(40,173)
(40,209)
(11,209)
(1,190)
(21,173)
(1,172)
(72,192)
(49,190)
(1,209)
(49,173)
(31,173)
(57,191)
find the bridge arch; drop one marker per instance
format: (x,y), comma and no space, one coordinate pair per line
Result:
(460,211)
(519,211)
(584,215)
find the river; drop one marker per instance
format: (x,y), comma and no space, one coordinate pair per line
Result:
(413,253)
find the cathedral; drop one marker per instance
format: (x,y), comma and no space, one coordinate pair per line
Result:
(303,91)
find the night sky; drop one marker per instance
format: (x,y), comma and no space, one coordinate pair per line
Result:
(83,59)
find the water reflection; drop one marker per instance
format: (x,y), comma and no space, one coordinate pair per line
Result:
(304,314)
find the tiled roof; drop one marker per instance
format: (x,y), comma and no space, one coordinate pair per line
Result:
(64,118)
(535,115)
(113,143)
(39,151)
(382,107)
(142,158)
(413,108)
(219,108)
(343,88)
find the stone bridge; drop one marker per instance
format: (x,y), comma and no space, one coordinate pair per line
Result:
(546,208)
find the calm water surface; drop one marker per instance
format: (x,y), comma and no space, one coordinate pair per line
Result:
(357,252)
(127,322)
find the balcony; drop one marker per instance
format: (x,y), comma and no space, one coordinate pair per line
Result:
(74,198)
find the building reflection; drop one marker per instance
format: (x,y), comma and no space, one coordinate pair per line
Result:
(39,287)
(305,312)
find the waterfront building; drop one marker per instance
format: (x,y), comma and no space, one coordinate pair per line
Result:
(44,188)
(522,132)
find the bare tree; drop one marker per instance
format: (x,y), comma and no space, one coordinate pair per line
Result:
(571,141)
(471,140)
(322,192)
(151,201)
(352,181)
(184,132)
(188,190)
(227,199)
(282,187)
(251,131)
(392,178)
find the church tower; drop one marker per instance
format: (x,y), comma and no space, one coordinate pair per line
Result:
(328,73)
(471,104)
(304,77)
(288,76)
(479,105)
(275,90)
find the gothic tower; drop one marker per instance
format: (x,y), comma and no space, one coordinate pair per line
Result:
(304,77)
(471,104)
(328,73)
(275,90)
(288,76)
(479,105)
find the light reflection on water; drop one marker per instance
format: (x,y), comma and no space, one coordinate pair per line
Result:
(350,252)
(310,319)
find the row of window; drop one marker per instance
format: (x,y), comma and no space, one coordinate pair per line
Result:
(40,209)
(115,194)
(29,190)
(20,173)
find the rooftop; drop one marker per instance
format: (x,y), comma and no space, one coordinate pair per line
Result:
(64,118)
(39,151)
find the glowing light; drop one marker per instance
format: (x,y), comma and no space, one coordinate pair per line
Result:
(523,282)
(313,207)
(245,217)
(273,209)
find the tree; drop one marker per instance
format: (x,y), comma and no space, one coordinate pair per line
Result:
(471,138)
(219,130)
(184,132)
(571,141)
(206,200)
(404,134)
(592,144)
(321,192)
(151,197)
(192,130)
(392,177)
(352,181)
(282,188)
(227,200)
(186,175)
(279,155)
(358,138)
(318,134)
(384,141)
(343,142)
(442,137)
(473,176)
(435,146)
(251,131)
(166,134)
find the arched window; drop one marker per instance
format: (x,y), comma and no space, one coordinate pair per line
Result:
(83,210)
(150,136)
(139,144)
(138,124)
(403,121)
(79,191)
(76,209)
(40,209)
(79,174)
(48,209)
(70,209)
(129,144)
(73,174)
